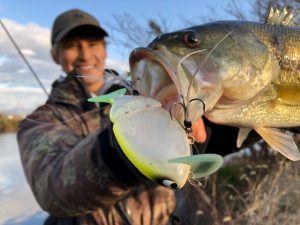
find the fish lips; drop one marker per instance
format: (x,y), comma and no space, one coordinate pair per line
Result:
(153,76)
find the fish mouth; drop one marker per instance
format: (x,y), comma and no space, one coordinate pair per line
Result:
(155,76)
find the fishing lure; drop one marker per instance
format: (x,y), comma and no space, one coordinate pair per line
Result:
(153,142)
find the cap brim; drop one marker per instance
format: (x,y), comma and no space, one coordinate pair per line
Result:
(64,33)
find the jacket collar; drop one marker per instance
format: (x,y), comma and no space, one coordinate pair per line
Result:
(70,90)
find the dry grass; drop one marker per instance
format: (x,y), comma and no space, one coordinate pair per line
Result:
(261,189)
(273,200)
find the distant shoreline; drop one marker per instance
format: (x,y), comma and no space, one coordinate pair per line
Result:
(9,123)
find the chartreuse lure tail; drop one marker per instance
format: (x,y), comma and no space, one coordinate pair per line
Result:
(155,144)
(109,98)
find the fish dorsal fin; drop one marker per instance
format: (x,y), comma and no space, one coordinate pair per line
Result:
(281,16)
(242,135)
(202,165)
(287,94)
(280,142)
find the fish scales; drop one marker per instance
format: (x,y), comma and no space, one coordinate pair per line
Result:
(282,40)
(246,74)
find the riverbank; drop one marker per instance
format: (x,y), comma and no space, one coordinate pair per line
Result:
(17,203)
(9,123)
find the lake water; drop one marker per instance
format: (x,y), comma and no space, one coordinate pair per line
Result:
(17,204)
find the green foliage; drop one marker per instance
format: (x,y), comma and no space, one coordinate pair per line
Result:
(9,123)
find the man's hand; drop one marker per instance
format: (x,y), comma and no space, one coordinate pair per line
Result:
(153,206)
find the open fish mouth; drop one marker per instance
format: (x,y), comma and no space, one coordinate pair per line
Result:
(162,75)
(154,76)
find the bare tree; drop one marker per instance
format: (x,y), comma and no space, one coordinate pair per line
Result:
(130,33)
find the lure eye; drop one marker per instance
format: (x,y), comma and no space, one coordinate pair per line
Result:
(170,184)
(191,39)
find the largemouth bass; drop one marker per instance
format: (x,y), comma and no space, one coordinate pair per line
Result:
(242,74)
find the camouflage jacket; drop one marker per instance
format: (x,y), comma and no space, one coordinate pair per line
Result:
(75,176)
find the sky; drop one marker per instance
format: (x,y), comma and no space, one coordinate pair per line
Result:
(29,23)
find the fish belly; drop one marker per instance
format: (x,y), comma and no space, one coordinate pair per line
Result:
(267,110)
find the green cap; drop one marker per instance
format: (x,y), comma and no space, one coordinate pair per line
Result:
(70,20)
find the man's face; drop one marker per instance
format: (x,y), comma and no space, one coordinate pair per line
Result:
(86,56)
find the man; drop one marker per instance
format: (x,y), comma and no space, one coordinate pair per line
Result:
(69,153)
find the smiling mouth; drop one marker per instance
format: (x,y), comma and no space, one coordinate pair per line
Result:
(88,71)
(86,67)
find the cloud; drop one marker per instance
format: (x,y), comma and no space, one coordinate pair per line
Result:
(19,99)
(120,66)
(19,91)
(34,42)
(28,52)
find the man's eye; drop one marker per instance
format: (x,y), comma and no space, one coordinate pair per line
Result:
(94,44)
(73,45)
(70,45)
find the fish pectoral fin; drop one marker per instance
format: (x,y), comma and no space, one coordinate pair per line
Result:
(202,165)
(280,142)
(242,135)
(287,94)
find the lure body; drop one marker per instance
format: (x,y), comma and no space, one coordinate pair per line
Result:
(154,143)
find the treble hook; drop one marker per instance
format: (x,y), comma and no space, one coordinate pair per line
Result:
(200,100)
(190,138)
(187,124)
(171,115)
(195,182)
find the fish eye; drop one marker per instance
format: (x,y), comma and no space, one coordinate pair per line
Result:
(191,39)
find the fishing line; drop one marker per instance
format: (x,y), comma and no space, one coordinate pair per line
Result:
(68,120)
(23,57)
(65,121)
(194,147)
(180,63)
(201,63)
(195,182)
(186,104)
(58,114)
(112,78)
